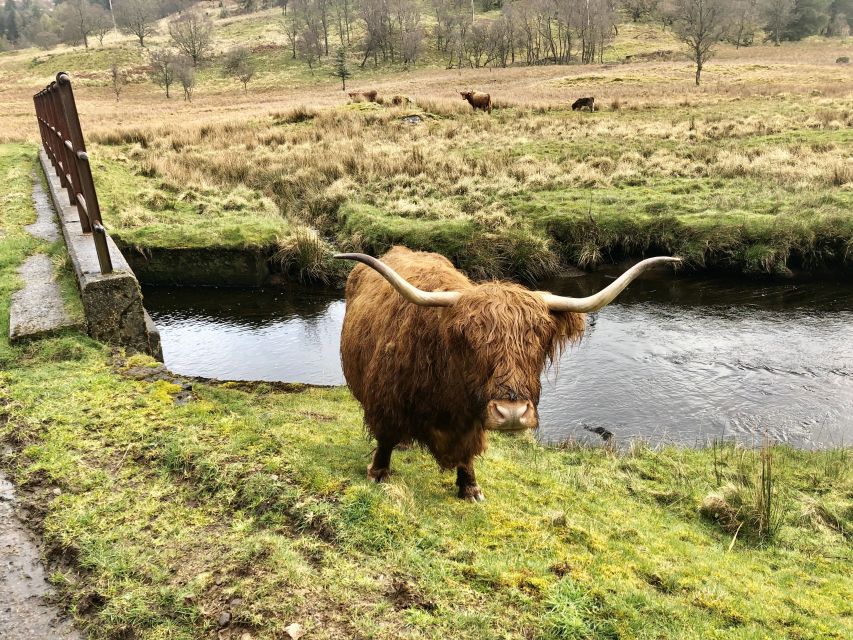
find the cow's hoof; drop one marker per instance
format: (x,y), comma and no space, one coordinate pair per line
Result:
(471,493)
(378,475)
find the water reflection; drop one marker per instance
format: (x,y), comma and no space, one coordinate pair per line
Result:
(674,359)
(240,334)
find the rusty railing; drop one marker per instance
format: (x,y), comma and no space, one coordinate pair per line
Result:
(62,140)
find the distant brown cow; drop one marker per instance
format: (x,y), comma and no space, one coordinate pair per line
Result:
(584,103)
(439,360)
(370,96)
(400,100)
(478,100)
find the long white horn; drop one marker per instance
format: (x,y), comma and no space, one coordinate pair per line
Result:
(606,295)
(407,290)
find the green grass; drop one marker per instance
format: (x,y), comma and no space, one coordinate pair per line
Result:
(143,212)
(166,513)
(169,512)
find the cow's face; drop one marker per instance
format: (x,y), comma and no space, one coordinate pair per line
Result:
(466,95)
(501,337)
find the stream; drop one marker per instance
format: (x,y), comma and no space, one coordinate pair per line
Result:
(674,360)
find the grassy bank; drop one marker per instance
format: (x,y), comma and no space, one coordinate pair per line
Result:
(165,511)
(754,185)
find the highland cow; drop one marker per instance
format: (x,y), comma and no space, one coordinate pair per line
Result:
(398,101)
(478,100)
(584,103)
(439,360)
(369,96)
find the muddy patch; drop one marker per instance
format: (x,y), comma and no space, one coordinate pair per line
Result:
(26,609)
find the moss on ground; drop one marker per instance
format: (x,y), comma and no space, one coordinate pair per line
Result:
(162,512)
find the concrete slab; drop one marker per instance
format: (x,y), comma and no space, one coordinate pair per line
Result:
(37,309)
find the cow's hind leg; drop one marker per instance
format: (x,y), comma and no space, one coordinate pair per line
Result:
(467,483)
(380,468)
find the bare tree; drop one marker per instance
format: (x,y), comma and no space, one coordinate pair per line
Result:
(136,17)
(321,9)
(118,79)
(639,9)
(291,30)
(76,18)
(407,15)
(374,14)
(239,64)
(343,13)
(192,35)
(700,24)
(102,23)
(744,22)
(309,47)
(163,68)
(776,15)
(185,73)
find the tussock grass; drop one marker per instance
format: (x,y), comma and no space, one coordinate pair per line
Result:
(306,257)
(758,203)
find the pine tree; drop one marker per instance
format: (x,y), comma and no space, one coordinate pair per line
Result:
(341,69)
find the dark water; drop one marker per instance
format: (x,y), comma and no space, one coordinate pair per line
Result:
(673,360)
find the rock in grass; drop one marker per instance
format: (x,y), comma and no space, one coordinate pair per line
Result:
(294,631)
(224,619)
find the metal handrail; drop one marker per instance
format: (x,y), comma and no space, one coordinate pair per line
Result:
(62,139)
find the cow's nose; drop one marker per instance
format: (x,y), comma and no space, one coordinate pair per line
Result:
(512,414)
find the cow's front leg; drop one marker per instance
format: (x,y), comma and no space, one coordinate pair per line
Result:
(380,468)
(467,483)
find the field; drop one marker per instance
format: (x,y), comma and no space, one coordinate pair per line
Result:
(175,509)
(749,172)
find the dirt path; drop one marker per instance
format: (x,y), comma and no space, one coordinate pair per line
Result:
(25,610)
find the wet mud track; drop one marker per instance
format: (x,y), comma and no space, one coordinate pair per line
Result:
(26,611)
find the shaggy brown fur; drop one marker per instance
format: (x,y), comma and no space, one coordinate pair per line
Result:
(584,103)
(400,100)
(369,96)
(427,374)
(478,100)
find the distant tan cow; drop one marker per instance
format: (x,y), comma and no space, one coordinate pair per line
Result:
(398,101)
(369,96)
(478,100)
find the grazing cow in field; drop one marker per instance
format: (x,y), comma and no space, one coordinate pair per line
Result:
(842,60)
(478,100)
(584,103)
(398,101)
(369,96)
(437,359)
